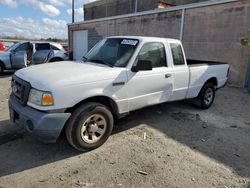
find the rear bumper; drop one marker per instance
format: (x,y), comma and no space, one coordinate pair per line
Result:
(42,125)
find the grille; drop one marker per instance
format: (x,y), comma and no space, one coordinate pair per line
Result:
(20,89)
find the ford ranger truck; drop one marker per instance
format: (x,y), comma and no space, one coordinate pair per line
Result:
(118,75)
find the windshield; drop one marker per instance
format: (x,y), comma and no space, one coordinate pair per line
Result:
(113,52)
(12,47)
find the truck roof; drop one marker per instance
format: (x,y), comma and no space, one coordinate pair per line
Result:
(146,38)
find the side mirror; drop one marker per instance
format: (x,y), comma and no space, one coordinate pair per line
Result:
(13,51)
(142,65)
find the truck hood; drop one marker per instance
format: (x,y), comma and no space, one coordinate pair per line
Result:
(66,73)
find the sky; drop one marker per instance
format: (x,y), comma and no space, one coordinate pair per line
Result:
(38,18)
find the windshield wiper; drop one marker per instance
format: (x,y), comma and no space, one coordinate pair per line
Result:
(100,61)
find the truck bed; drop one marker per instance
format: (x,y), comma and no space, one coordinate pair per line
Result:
(201,71)
(195,63)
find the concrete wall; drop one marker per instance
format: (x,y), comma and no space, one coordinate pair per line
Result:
(215,33)
(247,83)
(107,8)
(144,5)
(210,33)
(183,2)
(137,26)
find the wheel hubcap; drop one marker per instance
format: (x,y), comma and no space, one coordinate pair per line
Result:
(208,96)
(93,128)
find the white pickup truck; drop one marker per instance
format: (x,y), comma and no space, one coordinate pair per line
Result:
(119,75)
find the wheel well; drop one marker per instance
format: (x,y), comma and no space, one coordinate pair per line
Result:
(56,59)
(106,101)
(1,63)
(213,81)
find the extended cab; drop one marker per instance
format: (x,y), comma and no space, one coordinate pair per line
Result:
(119,75)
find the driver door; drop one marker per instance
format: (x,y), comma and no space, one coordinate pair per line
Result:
(152,86)
(18,56)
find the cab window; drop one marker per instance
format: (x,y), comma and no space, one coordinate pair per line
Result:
(177,54)
(154,52)
(42,46)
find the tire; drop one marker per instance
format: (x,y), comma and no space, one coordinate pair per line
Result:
(1,68)
(89,126)
(206,96)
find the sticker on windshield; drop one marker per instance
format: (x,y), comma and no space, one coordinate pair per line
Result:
(129,42)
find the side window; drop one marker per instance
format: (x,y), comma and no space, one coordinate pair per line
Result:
(154,52)
(54,47)
(42,46)
(23,47)
(177,54)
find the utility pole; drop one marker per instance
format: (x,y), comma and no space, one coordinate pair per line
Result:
(73,11)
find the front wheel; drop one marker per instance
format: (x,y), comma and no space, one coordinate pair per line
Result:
(206,96)
(89,126)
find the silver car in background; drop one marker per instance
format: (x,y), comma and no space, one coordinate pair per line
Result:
(23,54)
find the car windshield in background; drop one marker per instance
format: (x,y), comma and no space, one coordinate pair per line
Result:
(114,52)
(43,46)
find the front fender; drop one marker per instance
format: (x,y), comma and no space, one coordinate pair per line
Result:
(5,60)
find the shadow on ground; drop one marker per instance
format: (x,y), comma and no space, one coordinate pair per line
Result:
(8,135)
(6,74)
(226,145)
(21,152)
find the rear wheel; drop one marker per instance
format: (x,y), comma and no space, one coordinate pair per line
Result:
(89,127)
(206,96)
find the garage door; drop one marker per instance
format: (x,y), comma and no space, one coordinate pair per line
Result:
(80,44)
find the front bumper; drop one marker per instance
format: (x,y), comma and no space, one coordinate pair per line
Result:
(42,125)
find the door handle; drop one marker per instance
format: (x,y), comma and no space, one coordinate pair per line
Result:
(118,83)
(168,75)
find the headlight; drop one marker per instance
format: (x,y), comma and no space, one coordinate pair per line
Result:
(41,98)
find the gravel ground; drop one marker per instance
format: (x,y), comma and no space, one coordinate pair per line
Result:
(168,145)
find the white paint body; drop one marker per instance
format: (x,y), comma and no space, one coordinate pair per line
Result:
(73,82)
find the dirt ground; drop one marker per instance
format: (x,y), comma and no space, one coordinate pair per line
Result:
(174,144)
